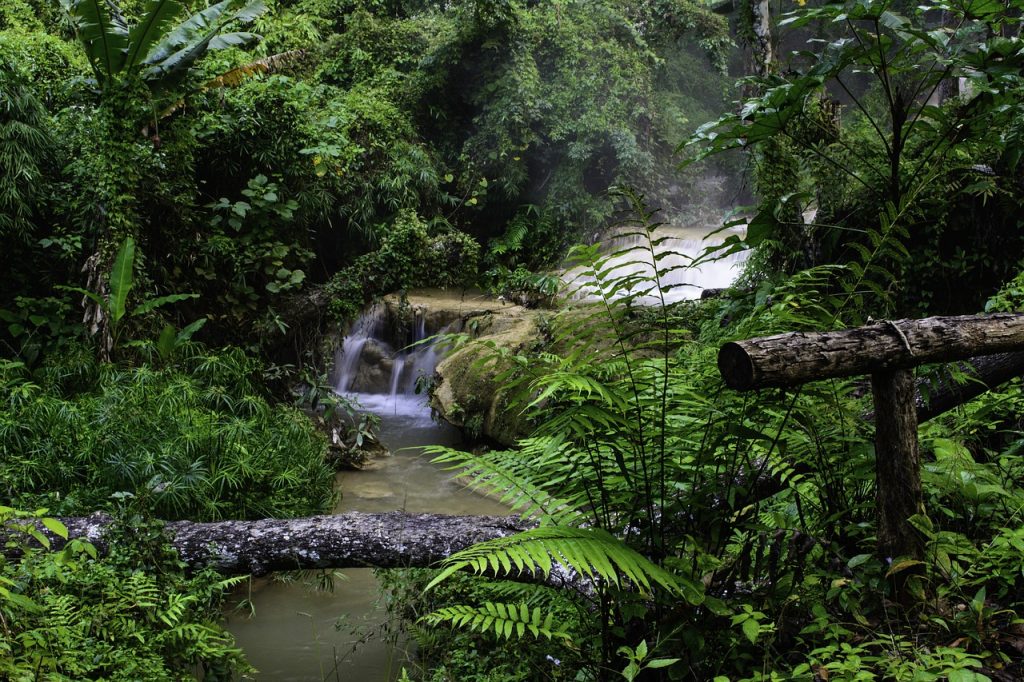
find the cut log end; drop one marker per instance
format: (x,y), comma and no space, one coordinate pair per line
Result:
(736,367)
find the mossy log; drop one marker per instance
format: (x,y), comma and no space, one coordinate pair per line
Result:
(350,540)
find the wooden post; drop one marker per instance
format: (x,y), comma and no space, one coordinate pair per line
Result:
(897,463)
(886,350)
(798,357)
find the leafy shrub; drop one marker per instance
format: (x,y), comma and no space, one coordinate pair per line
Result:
(410,255)
(197,440)
(133,615)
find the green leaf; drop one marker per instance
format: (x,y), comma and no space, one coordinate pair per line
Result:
(121,279)
(902,565)
(186,333)
(751,629)
(166,342)
(55,527)
(587,551)
(153,303)
(19,600)
(662,662)
(92,296)
(103,34)
(155,21)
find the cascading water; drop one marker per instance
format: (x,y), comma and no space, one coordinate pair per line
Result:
(370,325)
(677,261)
(382,359)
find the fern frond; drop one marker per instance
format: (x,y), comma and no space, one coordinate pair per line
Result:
(500,619)
(510,478)
(590,552)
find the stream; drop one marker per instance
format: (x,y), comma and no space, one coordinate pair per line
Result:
(291,632)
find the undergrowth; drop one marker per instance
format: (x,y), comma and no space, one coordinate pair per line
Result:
(197,439)
(706,534)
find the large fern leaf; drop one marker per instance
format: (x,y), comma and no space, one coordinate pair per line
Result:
(590,552)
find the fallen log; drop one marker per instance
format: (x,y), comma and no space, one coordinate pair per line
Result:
(792,359)
(940,393)
(350,540)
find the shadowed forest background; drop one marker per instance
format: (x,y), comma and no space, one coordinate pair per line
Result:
(198,201)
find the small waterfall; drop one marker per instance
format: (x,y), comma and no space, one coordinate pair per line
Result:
(382,358)
(396,375)
(370,325)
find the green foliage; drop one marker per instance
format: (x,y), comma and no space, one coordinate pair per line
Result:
(196,440)
(25,146)
(244,248)
(49,66)
(119,285)
(154,49)
(765,503)
(69,615)
(501,619)
(590,552)
(479,651)
(410,255)
(894,142)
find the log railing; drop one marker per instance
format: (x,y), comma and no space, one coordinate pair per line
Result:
(886,350)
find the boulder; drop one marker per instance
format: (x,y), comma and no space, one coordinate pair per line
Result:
(467,390)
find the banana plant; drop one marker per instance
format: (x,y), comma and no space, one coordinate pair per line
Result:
(156,49)
(114,306)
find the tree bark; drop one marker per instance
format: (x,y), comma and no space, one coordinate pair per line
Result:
(798,357)
(760,20)
(350,540)
(940,393)
(897,463)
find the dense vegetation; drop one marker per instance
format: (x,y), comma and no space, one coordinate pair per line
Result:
(193,196)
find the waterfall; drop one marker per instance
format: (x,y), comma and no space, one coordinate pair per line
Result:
(381,359)
(370,325)
(675,250)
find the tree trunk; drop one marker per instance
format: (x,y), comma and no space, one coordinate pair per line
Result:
(897,463)
(350,540)
(760,19)
(798,357)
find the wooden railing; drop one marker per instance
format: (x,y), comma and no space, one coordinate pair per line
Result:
(888,351)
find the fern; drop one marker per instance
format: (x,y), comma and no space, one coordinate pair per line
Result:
(500,619)
(510,477)
(590,552)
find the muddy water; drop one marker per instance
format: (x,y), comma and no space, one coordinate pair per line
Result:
(292,635)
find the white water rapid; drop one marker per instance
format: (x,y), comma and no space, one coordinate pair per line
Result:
(381,360)
(678,261)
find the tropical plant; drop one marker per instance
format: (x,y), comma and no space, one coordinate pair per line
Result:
(115,305)
(195,439)
(25,145)
(913,132)
(155,50)
(760,509)
(71,614)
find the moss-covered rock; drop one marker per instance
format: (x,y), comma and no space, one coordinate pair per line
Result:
(468,391)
